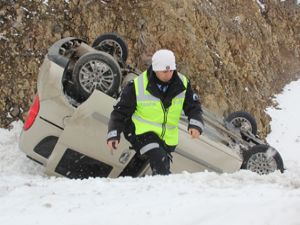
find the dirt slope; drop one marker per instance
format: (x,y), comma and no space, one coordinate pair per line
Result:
(237,53)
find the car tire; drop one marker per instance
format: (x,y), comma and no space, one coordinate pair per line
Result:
(113,44)
(262,159)
(235,119)
(96,70)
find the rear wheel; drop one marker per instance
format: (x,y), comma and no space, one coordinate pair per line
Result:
(113,44)
(96,70)
(243,121)
(262,159)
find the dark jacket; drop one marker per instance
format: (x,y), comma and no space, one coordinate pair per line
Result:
(120,118)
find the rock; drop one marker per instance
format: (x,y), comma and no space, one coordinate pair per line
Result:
(14,111)
(236,58)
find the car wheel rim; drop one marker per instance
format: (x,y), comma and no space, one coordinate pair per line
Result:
(96,74)
(261,163)
(112,47)
(242,123)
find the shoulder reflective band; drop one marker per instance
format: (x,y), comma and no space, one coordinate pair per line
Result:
(184,81)
(141,96)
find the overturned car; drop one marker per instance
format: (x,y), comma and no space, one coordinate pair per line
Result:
(67,123)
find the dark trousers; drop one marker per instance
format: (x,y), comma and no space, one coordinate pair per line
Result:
(158,153)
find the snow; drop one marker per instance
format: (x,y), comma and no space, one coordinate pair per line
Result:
(284,123)
(2,37)
(237,20)
(262,6)
(28,196)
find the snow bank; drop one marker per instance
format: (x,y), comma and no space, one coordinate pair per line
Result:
(27,196)
(285,125)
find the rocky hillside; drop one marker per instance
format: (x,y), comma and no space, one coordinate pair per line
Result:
(237,53)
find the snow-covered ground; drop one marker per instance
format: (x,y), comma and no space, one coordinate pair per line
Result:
(28,197)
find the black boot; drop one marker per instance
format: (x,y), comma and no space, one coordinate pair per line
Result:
(159,161)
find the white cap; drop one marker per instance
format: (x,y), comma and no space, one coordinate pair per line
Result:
(162,60)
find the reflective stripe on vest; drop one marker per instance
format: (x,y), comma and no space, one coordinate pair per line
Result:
(150,114)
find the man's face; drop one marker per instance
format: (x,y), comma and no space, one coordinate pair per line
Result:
(165,75)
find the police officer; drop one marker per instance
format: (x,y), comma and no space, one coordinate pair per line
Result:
(149,111)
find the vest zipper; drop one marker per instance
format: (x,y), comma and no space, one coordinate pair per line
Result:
(165,120)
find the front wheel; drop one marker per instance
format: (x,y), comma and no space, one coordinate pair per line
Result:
(262,159)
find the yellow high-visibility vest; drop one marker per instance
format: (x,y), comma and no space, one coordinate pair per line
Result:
(151,115)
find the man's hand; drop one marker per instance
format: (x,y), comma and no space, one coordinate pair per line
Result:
(194,133)
(112,145)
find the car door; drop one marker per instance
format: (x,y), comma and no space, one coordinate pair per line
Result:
(81,149)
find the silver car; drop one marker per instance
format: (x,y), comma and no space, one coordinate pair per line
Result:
(66,126)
